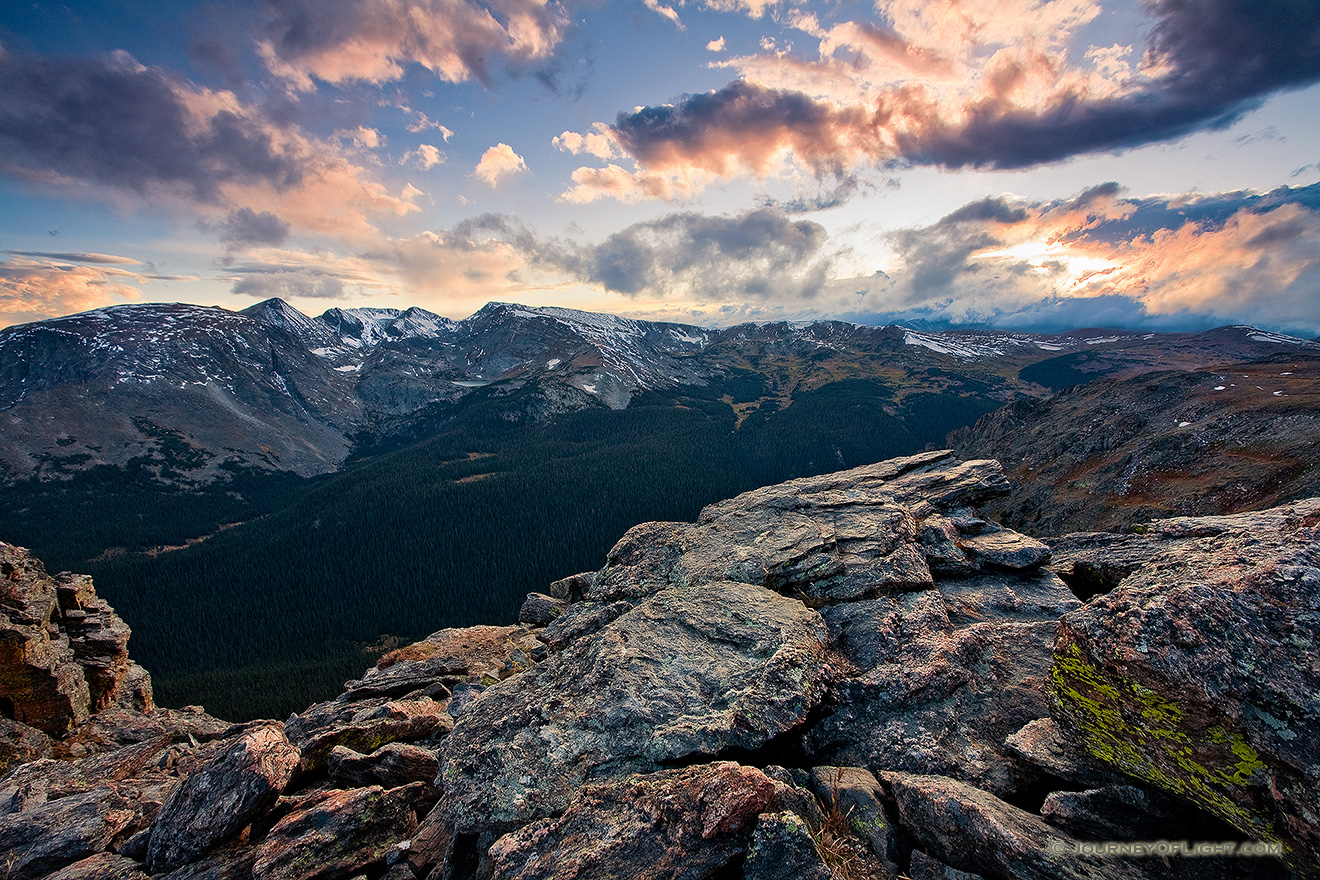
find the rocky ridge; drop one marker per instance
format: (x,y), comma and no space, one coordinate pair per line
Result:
(1111,453)
(848,676)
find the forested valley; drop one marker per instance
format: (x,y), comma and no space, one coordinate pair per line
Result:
(298,584)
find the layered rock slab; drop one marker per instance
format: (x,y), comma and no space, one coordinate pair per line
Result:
(837,537)
(1200,672)
(974,831)
(339,835)
(672,825)
(692,671)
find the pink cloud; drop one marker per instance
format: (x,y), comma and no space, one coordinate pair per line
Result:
(961,83)
(338,41)
(34,289)
(497,164)
(145,132)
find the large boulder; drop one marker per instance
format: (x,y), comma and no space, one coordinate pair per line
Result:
(50,836)
(1200,672)
(943,678)
(692,671)
(217,801)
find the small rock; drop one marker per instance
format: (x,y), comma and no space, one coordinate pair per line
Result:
(393,721)
(20,743)
(926,867)
(782,849)
(972,830)
(102,866)
(580,619)
(1115,812)
(540,609)
(856,795)
(573,587)
(227,862)
(1040,744)
(1006,549)
(389,766)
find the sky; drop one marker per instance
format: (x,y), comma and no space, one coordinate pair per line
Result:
(1020,164)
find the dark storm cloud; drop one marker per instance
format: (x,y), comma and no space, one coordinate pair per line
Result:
(263,283)
(118,123)
(1211,211)
(938,255)
(746,120)
(1218,59)
(762,253)
(246,227)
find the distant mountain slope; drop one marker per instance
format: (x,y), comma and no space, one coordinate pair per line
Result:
(179,390)
(1116,452)
(188,393)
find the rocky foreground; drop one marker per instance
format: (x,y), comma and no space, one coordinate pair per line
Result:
(847,676)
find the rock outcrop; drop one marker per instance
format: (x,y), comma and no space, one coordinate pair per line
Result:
(63,651)
(1200,672)
(848,676)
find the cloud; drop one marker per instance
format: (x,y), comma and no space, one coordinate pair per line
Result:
(312,274)
(614,181)
(825,197)
(119,123)
(245,227)
(599,141)
(665,12)
(35,289)
(300,284)
(498,163)
(716,45)
(753,8)
(962,84)
(761,255)
(73,122)
(1154,262)
(339,41)
(65,257)
(426,156)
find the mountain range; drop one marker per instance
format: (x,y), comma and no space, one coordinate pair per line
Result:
(271,499)
(192,390)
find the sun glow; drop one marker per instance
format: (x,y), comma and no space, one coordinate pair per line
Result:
(1074,269)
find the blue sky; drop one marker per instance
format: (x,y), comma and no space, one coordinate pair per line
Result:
(1038,164)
